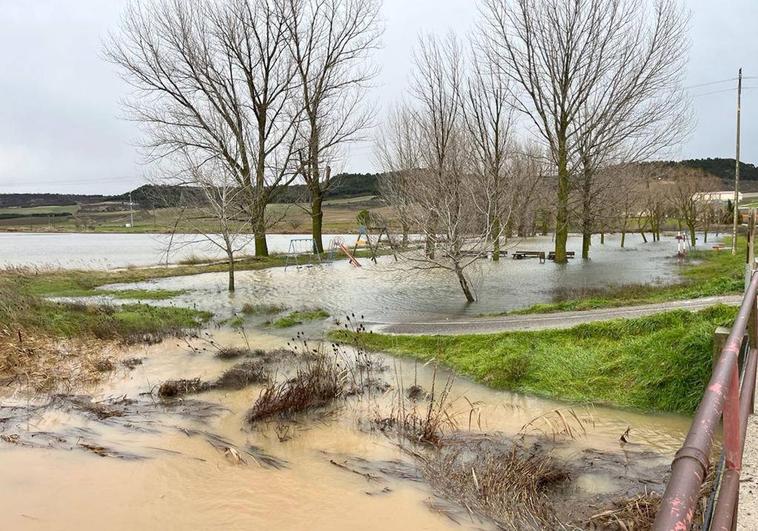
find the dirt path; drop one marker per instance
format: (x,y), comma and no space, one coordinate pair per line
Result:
(485,325)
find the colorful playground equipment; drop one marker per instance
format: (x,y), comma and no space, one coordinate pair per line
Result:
(336,245)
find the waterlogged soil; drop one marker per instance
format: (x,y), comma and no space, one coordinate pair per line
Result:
(118,456)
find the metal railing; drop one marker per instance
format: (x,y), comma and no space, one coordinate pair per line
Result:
(728,397)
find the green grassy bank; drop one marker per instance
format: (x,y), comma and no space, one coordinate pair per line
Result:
(656,363)
(23,311)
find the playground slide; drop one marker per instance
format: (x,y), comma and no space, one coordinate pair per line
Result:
(349,255)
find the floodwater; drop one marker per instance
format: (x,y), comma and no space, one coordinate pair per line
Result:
(182,481)
(167,469)
(391,292)
(108,251)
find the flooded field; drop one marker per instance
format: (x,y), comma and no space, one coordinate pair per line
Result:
(107,251)
(142,462)
(394,292)
(142,459)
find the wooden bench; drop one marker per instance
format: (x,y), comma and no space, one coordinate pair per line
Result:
(569,254)
(521,255)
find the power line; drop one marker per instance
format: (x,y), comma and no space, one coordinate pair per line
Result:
(711,83)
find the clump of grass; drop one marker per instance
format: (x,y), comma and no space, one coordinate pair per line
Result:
(506,482)
(299,317)
(557,423)
(241,375)
(236,322)
(262,309)
(637,512)
(230,353)
(317,384)
(421,425)
(177,388)
(660,362)
(237,377)
(194,259)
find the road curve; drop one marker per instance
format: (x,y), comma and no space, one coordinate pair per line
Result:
(487,325)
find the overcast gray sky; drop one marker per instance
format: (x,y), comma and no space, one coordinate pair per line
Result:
(60,122)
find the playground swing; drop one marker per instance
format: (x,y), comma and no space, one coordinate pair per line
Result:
(364,232)
(304,248)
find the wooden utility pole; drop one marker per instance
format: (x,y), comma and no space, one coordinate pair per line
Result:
(736,203)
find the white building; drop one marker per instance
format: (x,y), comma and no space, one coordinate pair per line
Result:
(716,197)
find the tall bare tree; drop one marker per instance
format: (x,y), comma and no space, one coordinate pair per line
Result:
(331,42)
(488,115)
(428,144)
(213,81)
(564,58)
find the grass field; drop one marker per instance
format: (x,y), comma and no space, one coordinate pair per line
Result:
(339,217)
(656,363)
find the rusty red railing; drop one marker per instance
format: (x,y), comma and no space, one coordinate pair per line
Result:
(729,397)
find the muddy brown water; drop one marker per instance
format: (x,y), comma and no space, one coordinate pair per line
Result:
(164,472)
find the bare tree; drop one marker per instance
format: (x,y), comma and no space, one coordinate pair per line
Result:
(428,144)
(565,58)
(488,115)
(689,198)
(213,81)
(218,215)
(331,42)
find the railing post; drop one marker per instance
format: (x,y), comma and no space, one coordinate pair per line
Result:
(719,340)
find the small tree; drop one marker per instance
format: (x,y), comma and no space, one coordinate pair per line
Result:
(688,196)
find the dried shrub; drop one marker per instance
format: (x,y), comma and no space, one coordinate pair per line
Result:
(176,388)
(317,384)
(230,353)
(241,375)
(504,481)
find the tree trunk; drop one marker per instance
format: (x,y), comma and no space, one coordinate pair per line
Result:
(561,215)
(602,238)
(693,238)
(464,284)
(259,229)
(431,237)
(586,214)
(496,239)
(317,218)
(405,230)
(230,256)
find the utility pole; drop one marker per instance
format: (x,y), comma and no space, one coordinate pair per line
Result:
(736,203)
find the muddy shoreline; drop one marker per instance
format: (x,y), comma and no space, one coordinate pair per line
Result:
(344,439)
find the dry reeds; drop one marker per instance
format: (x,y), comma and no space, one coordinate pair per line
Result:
(45,364)
(505,482)
(425,424)
(558,423)
(319,382)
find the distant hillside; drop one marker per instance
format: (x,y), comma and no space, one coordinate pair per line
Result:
(722,168)
(35,200)
(343,185)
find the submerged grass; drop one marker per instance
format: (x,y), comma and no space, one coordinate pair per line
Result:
(299,317)
(656,363)
(706,274)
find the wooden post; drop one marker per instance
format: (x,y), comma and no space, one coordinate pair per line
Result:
(719,339)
